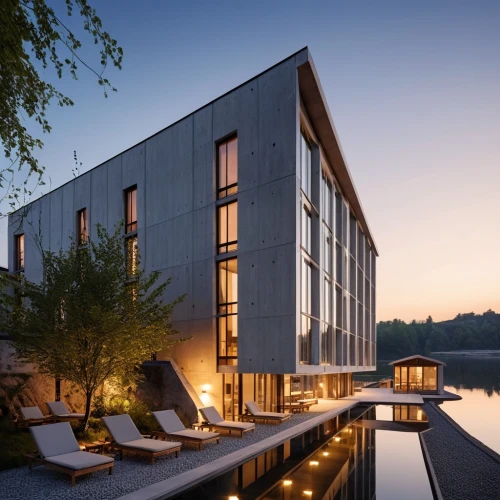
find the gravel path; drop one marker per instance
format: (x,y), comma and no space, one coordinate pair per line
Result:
(130,474)
(464,470)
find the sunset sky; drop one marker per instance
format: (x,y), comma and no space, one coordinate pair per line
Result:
(413,89)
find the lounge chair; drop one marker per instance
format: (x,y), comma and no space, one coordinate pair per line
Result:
(211,415)
(128,438)
(33,416)
(58,449)
(257,415)
(173,428)
(61,412)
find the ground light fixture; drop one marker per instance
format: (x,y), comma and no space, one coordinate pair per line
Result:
(233,497)
(325,453)
(308,493)
(287,482)
(313,462)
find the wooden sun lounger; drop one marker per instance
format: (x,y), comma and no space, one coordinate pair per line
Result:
(212,416)
(173,428)
(31,415)
(127,437)
(59,450)
(267,417)
(61,413)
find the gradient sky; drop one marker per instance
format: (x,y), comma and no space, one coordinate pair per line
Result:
(414,91)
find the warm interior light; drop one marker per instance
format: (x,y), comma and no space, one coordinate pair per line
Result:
(325,453)
(233,498)
(337,439)
(308,493)
(205,387)
(314,462)
(287,482)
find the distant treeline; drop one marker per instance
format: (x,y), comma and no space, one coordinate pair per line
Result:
(397,339)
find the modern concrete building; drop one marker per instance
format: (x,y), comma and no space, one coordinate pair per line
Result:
(248,204)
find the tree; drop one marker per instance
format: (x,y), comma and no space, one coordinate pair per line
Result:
(30,31)
(95,317)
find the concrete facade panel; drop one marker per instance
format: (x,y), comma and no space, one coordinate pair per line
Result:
(97,213)
(204,233)
(203,159)
(116,212)
(56,214)
(277,122)
(276,220)
(277,281)
(68,215)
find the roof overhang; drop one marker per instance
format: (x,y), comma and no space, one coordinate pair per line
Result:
(415,358)
(316,105)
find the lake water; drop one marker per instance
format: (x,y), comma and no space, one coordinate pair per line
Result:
(477,381)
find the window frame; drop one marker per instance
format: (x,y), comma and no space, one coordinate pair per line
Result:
(224,310)
(19,253)
(228,189)
(130,225)
(223,248)
(82,235)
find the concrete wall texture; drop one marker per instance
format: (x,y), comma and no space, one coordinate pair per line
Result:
(174,171)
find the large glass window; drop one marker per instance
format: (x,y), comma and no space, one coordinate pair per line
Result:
(306,228)
(430,378)
(328,301)
(305,340)
(327,201)
(19,252)
(227,310)
(82,226)
(227,160)
(306,286)
(131,209)
(227,221)
(327,238)
(305,166)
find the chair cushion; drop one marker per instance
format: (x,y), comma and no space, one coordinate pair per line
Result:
(122,428)
(79,460)
(32,412)
(252,407)
(58,408)
(198,435)
(54,439)
(151,444)
(235,425)
(210,414)
(169,421)
(272,414)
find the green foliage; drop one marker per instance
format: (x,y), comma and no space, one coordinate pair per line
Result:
(15,443)
(88,322)
(30,30)
(397,339)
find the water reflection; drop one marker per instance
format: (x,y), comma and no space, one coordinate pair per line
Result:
(477,381)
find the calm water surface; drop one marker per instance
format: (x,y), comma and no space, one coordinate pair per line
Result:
(477,381)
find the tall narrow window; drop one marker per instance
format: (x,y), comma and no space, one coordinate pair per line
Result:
(227,161)
(19,252)
(131,209)
(132,250)
(82,226)
(305,166)
(306,228)
(227,221)
(327,201)
(227,311)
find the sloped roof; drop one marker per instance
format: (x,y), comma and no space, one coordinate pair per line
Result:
(417,356)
